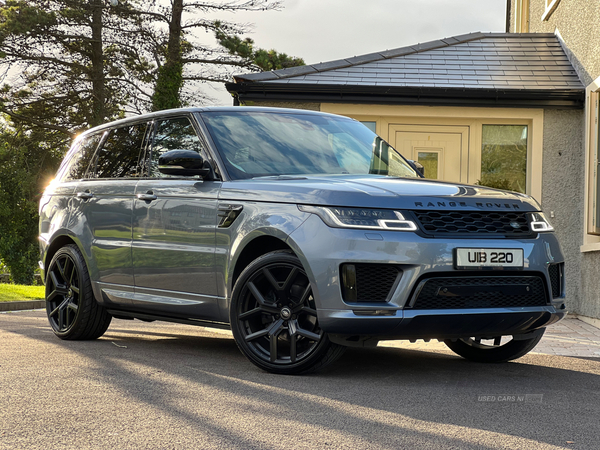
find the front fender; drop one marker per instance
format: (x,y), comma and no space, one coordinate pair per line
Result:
(256,220)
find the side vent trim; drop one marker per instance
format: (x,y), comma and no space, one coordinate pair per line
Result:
(227,214)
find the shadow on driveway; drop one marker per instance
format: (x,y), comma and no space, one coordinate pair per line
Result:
(176,380)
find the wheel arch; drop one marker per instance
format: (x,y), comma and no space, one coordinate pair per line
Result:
(56,244)
(252,249)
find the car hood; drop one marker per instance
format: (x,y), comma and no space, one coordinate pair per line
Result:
(374,191)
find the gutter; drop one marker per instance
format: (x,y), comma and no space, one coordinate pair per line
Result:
(398,95)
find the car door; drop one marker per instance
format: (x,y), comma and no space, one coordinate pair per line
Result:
(103,205)
(174,222)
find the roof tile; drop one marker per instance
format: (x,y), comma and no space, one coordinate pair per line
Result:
(462,72)
(489,72)
(450,40)
(361,59)
(518,72)
(471,61)
(397,52)
(340,63)
(428,45)
(377,70)
(418,66)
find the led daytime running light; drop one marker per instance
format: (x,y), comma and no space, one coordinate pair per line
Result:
(394,221)
(540,224)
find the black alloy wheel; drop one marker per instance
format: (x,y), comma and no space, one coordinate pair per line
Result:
(72,310)
(274,317)
(494,350)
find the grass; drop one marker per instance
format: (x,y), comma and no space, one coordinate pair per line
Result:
(17,292)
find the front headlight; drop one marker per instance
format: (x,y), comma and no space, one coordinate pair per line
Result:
(539,223)
(363,218)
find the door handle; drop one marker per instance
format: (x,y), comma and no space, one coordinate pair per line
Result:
(147,197)
(85,195)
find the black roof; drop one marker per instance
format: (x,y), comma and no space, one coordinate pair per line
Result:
(487,69)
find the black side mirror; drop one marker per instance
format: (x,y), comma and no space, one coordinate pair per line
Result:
(417,166)
(185,163)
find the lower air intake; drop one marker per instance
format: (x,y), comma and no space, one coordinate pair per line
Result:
(370,283)
(556,276)
(480,292)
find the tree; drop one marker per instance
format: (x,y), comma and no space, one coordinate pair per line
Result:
(67,65)
(73,64)
(63,72)
(169,80)
(179,58)
(60,60)
(256,59)
(25,166)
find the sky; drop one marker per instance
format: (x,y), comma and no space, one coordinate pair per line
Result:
(326,30)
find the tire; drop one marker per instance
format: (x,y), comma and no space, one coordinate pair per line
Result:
(487,352)
(73,312)
(274,319)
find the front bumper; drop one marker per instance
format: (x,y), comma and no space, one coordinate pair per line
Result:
(323,250)
(439,324)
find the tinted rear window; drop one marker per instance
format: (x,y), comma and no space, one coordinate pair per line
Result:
(77,166)
(119,156)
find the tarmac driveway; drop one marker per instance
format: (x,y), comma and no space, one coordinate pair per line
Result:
(168,386)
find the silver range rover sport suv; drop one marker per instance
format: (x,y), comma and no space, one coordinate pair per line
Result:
(302,232)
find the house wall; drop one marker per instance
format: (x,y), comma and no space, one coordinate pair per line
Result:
(563,198)
(578,23)
(590,274)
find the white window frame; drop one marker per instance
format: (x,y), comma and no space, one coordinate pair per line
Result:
(521,16)
(591,233)
(551,5)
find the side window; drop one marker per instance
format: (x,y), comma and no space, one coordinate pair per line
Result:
(173,134)
(76,167)
(119,156)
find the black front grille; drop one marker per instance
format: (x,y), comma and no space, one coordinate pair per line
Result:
(474,224)
(369,282)
(555,272)
(480,292)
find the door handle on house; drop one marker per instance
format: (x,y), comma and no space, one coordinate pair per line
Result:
(147,197)
(85,195)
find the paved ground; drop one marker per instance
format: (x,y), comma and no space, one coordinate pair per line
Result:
(569,337)
(169,386)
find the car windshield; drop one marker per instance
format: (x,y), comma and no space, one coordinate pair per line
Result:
(258,144)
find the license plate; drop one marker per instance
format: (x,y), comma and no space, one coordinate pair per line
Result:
(469,258)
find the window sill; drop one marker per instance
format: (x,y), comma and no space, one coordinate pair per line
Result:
(593,247)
